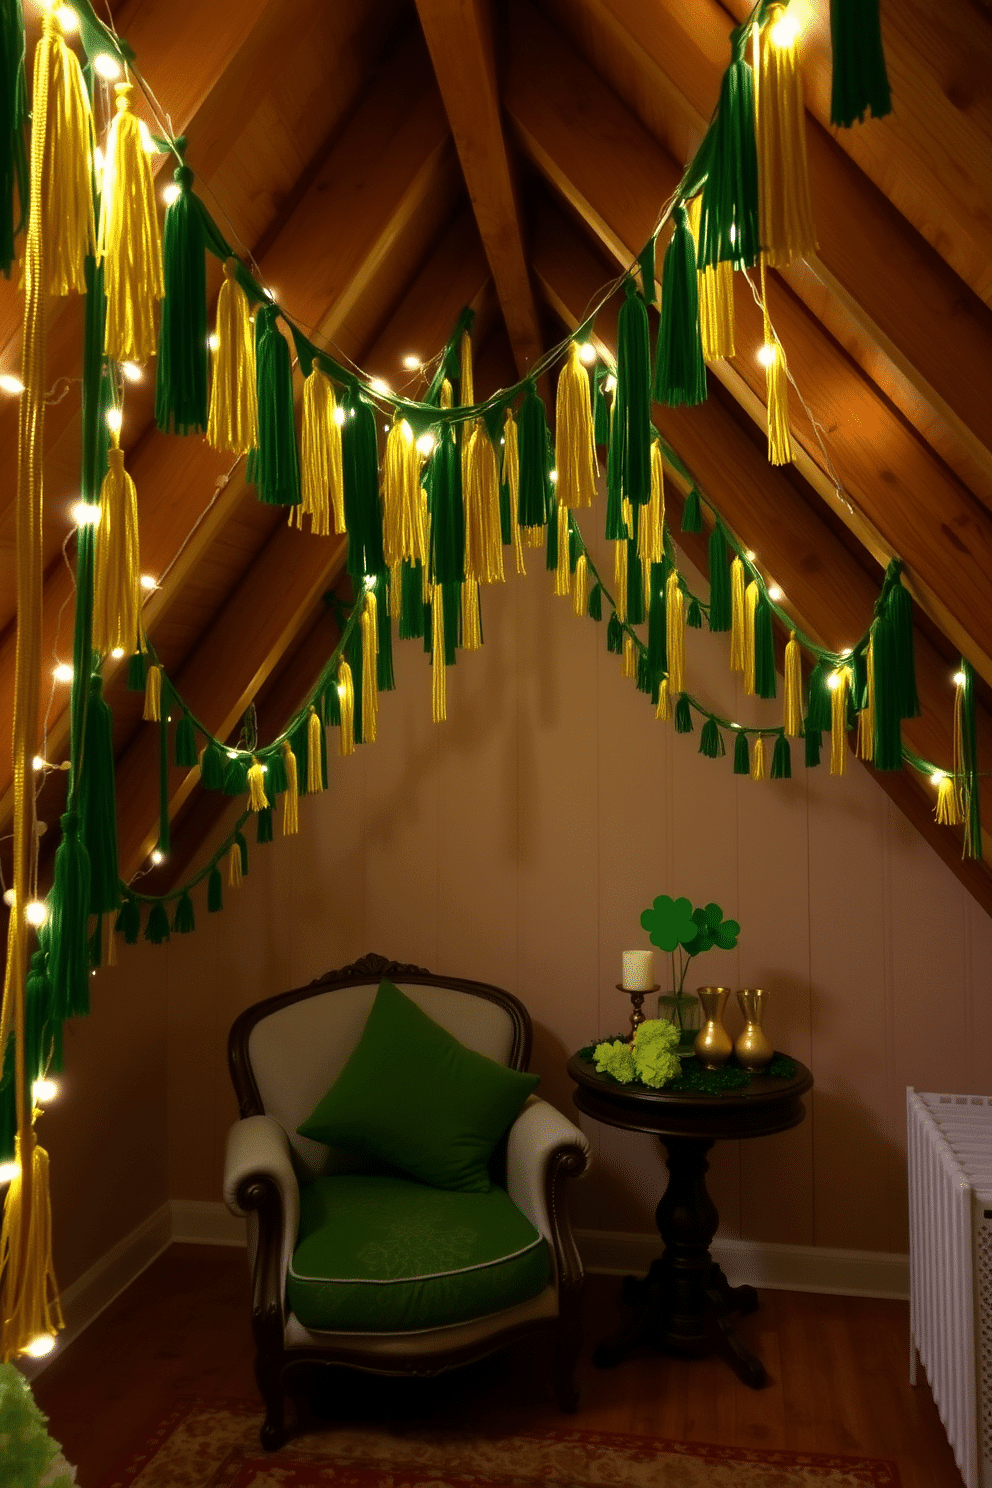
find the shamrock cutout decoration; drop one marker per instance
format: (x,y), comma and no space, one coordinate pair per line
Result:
(712,930)
(670,923)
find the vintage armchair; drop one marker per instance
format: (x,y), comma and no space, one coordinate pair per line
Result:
(282,1054)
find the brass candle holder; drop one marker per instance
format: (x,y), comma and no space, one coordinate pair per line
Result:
(637,997)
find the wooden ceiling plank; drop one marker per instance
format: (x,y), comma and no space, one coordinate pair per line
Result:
(459,38)
(613,174)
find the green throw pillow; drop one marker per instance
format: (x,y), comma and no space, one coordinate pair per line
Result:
(411,1095)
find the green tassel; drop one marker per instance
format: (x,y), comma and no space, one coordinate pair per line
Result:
(362,512)
(447,513)
(39,1019)
(212,768)
(887,737)
(899,609)
(781,759)
(215,892)
(263,825)
(13,116)
(636,612)
(331,701)
(694,615)
(533,442)
(614,636)
(719,580)
(600,412)
(164,843)
(136,672)
(451,600)
(645,261)
(860,83)
(129,920)
(969,761)
(275,772)
(157,929)
(683,715)
(645,682)
(818,716)
(551,539)
(742,758)
(728,219)
(633,406)
(764,649)
(711,740)
(68,917)
(276,467)
(184,920)
(300,744)
(692,515)
(242,845)
(657,622)
(575,547)
(594,609)
(236,775)
(98,802)
(616,527)
(680,371)
(411,624)
(385,680)
(181,377)
(185,742)
(813,739)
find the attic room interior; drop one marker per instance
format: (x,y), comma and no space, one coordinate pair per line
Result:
(497,503)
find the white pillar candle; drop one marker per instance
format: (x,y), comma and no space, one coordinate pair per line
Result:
(638,971)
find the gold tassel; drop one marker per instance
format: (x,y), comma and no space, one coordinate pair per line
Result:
(234,873)
(563,574)
(737,616)
(108,941)
(480,497)
(759,765)
(466,385)
(948,810)
(580,592)
(664,708)
(511,479)
(628,668)
(403,533)
(370,668)
(116,564)
(346,699)
(315,740)
(439,689)
(838,722)
(620,578)
(257,799)
(651,528)
(153,695)
(716,300)
(675,624)
(575,449)
(751,596)
(793,719)
(776,385)
(232,423)
(26,1251)
(129,241)
(291,795)
(471,619)
(866,717)
(68,225)
(787,230)
(321,470)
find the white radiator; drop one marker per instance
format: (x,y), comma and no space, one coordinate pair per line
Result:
(950,1268)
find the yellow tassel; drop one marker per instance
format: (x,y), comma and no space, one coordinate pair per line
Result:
(315,741)
(153,695)
(116,565)
(751,596)
(471,616)
(675,624)
(444,400)
(716,300)
(129,242)
(370,668)
(777,387)
(346,699)
(291,795)
(575,449)
(466,386)
(759,765)
(948,810)
(838,722)
(511,479)
(534,537)
(26,1253)
(403,530)
(68,225)
(321,470)
(628,667)
(787,230)
(480,496)
(580,591)
(234,873)
(439,689)
(620,578)
(651,528)
(737,616)
(866,718)
(563,573)
(664,707)
(257,799)
(793,719)
(232,423)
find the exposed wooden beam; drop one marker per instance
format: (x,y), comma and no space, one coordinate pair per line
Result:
(613,173)
(460,41)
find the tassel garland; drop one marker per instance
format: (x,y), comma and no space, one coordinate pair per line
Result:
(663,708)
(793,713)
(719,568)
(759,766)
(728,219)
(117,566)
(276,467)
(786,215)
(346,702)
(675,632)
(575,450)
(321,466)
(480,492)
(680,372)
(742,759)
(128,239)
(181,374)
(580,591)
(232,422)
(838,720)
(26,1250)
(860,84)
(98,802)
(776,387)
(370,668)
(632,404)
(257,799)
(751,596)
(715,290)
(737,616)
(65,200)
(291,796)
(781,759)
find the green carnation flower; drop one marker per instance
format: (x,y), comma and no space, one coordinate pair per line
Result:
(616,1059)
(655,1061)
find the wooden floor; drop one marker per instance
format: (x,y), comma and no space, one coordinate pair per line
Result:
(838,1368)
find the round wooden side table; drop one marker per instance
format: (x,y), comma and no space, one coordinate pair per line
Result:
(685,1303)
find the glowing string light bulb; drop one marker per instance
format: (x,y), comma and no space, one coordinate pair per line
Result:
(106,65)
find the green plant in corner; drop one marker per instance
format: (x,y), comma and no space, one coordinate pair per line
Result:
(673,925)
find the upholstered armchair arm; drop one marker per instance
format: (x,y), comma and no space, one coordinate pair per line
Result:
(544,1150)
(259,1182)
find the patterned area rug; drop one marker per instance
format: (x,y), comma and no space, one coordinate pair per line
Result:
(215,1445)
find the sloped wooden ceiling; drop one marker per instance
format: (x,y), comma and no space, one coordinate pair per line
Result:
(385,162)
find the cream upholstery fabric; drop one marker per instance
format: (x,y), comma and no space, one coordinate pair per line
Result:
(257,1146)
(536,1133)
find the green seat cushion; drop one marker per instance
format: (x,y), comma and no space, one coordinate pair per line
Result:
(412,1096)
(388,1255)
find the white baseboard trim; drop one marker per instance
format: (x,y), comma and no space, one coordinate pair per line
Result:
(786,1268)
(206,1222)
